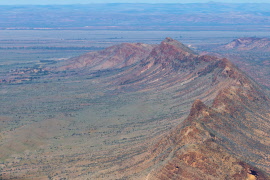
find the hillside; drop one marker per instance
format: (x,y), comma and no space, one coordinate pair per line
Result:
(114,57)
(136,111)
(221,141)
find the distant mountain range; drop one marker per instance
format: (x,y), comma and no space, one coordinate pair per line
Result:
(135,16)
(248,44)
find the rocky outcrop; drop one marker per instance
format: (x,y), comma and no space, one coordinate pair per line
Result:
(228,140)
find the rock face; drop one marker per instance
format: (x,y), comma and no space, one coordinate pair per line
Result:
(213,144)
(228,140)
(248,43)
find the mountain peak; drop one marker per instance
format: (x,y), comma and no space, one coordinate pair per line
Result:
(171,54)
(168,39)
(177,44)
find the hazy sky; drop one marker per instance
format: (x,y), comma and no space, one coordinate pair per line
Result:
(12,2)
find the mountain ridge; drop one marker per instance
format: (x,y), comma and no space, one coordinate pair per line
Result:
(117,56)
(196,117)
(238,102)
(230,114)
(204,125)
(199,141)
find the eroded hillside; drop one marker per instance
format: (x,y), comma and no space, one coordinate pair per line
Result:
(131,111)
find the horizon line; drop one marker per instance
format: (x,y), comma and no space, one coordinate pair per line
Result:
(212,2)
